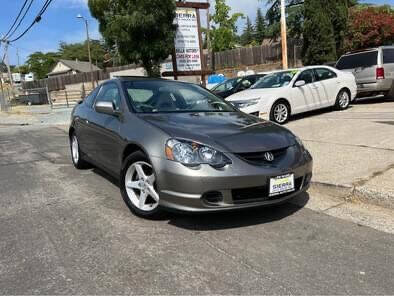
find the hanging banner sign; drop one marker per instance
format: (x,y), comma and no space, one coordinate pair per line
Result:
(187,45)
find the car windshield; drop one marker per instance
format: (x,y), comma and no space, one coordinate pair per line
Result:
(156,96)
(275,80)
(227,85)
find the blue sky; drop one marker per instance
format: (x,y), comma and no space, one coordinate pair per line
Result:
(59,23)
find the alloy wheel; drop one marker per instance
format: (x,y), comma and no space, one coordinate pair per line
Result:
(75,149)
(344,100)
(140,186)
(281,113)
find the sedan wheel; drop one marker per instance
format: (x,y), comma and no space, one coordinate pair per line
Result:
(343,100)
(280,113)
(138,186)
(75,149)
(76,155)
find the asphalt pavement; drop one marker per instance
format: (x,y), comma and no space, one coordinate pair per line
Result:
(65,231)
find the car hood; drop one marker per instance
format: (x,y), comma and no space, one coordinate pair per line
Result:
(226,131)
(255,94)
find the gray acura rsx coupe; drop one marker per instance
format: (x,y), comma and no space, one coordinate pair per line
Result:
(176,145)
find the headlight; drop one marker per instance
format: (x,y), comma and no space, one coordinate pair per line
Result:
(193,154)
(247,103)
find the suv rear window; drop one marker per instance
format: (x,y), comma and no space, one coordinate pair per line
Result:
(358,60)
(388,56)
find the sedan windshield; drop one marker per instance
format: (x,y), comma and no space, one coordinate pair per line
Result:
(275,80)
(227,85)
(156,96)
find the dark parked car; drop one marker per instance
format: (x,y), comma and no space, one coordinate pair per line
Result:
(176,145)
(234,85)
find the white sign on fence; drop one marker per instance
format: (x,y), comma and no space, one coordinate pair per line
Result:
(187,44)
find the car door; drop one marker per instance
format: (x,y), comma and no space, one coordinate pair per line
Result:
(328,86)
(104,137)
(82,122)
(303,98)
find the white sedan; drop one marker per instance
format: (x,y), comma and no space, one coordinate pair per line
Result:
(281,94)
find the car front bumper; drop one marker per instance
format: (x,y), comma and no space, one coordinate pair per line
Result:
(190,189)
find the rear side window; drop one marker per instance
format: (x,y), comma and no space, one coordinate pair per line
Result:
(388,56)
(324,74)
(358,60)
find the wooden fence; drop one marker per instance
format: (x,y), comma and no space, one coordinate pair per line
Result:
(59,82)
(257,55)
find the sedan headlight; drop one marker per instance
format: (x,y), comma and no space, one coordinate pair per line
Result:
(192,154)
(246,103)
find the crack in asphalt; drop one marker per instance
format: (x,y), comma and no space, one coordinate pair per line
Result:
(372,176)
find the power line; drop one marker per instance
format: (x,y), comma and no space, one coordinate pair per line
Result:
(16,19)
(20,21)
(36,20)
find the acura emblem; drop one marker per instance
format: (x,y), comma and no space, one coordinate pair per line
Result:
(268,156)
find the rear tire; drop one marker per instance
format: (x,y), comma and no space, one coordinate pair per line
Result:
(280,112)
(76,155)
(138,186)
(343,100)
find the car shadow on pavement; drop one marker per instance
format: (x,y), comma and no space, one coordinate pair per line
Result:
(314,113)
(238,218)
(372,101)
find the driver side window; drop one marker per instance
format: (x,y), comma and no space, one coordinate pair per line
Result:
(109,93)
(307,76)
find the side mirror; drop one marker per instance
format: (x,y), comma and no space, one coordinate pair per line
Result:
(300,83)
(105,107)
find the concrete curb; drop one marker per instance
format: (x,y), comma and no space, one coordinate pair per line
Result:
(356,194)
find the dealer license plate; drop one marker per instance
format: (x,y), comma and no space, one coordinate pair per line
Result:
(281,184)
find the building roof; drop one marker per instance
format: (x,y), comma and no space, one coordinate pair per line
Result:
(79,65)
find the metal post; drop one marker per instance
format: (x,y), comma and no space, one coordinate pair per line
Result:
(2,98)
(90,57)
(283,34)
(66,98)
(49,96)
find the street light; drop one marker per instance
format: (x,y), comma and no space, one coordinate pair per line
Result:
(88,40)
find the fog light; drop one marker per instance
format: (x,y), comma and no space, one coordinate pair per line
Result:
(213,197)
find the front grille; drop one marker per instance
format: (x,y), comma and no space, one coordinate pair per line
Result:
(260,193)
(258,157)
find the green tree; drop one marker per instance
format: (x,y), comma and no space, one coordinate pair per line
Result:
(294,15)
(142,30)
(319,40)
(260,27)
(42,63)
(339,15)
(223,33)
(23,69)
(247,37)
(72,51)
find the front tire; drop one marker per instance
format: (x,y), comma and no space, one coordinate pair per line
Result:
(280,112)
(138,186)
(343,100)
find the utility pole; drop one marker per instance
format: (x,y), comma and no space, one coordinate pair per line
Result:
(208,37)
(88,41)
(17,55)
(7,62)
(283,33)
